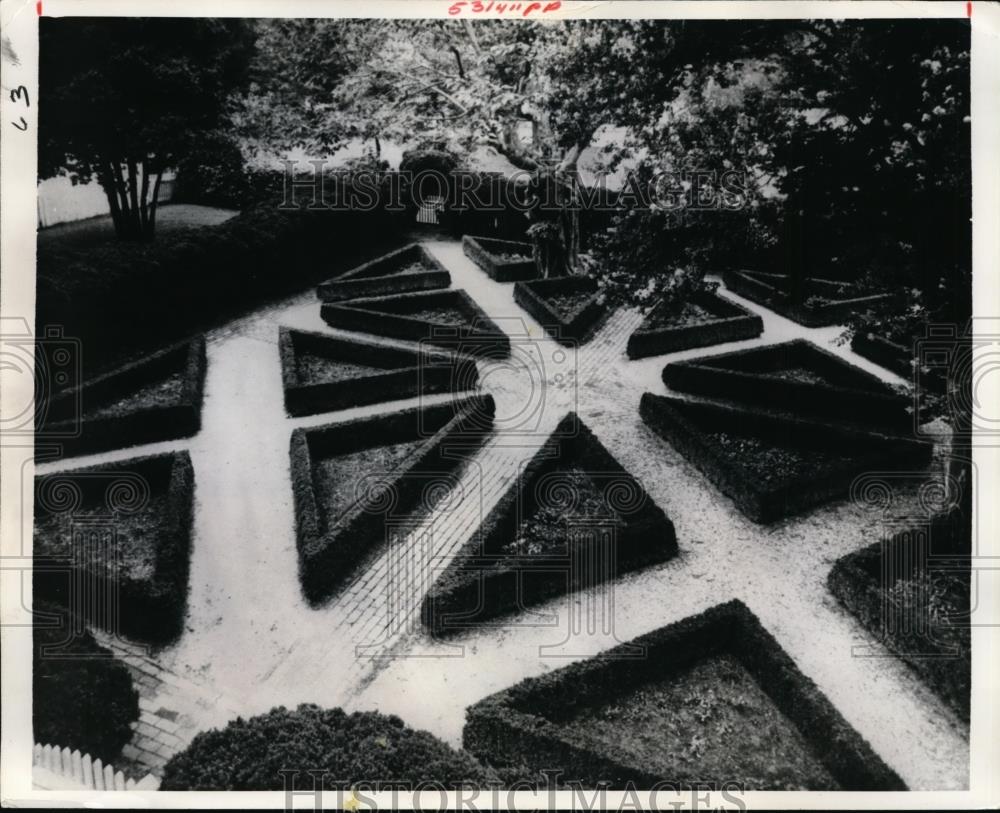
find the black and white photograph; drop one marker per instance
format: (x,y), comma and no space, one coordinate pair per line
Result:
(476,403)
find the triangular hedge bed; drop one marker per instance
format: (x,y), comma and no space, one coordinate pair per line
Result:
(566,307)
(121,532)
(502,260)
(712,699)
(448,319)
(410,268)
(157,397)
(912,592)
(705,320)
(351,479)
(826,302)
(775,466)
(321,373)
(571,505)
(795,376)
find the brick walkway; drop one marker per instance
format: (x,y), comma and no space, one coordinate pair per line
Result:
(252,642)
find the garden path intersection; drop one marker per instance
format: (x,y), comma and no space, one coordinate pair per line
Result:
(252,642)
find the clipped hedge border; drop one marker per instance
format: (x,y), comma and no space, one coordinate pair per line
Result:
(150,609)
(408,373)
(378,277)
(83,698)
(481,337)
(856,580)
(478,249)
(483,583)
(522,722)
(741,376)
(733,323)
(327,556)
(67,430)
(758,287)
(580,325)
(766,503)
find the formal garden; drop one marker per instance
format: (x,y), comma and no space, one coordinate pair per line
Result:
(616,459)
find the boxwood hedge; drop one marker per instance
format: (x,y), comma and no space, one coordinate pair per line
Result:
(82,698)
(362,748)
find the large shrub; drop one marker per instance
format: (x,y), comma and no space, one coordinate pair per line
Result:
(363,747)
(83,698)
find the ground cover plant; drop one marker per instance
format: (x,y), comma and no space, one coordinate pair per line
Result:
(569,308)
(360,748)
(821,301)
(572,503)
(710,699)
(775,466)
(701,320)
(448,319)
(82,698)
(502,260)
(794,377)
(410,268)
(158,397)
(351,479)
(124,530)
(322,373)
(912,592)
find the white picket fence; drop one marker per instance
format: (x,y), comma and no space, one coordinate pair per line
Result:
(62,769)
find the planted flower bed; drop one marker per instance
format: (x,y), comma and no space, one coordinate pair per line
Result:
(574,517)
(321,373)
(707,319)
(775,466)
(156,398)
(795,376)
(448,319)
(912,592)
(350,479)
(567,307)
(411,268)
(502,260)
(825,302)
(711,699)
(122,531)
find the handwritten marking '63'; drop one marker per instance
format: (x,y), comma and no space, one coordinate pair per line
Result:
(19,95)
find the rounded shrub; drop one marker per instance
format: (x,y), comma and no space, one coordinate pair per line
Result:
(362,747)
(83,698)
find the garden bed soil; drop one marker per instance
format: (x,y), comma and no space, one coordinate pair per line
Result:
(156,398)
(123,531)
(322,373)
(710,699)
(502,260)
(410,268)
(566,307)
(835,301)
(708,319)
(352,480)
(572,503)
(912,592)
(795,376)
(775,466)
(447,319)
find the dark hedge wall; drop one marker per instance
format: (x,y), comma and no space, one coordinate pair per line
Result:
(363,747)
(83,698)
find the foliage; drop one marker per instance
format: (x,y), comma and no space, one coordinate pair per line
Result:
(126,98)
(362,747)
(82,698)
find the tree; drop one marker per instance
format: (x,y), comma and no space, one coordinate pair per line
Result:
(848,173)
(462,84)
(123,99)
